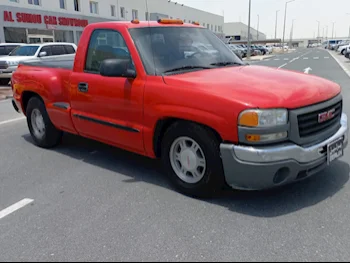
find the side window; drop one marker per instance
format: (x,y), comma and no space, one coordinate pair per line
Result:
(69,49)
(46,49)
(58,50)
(104,44)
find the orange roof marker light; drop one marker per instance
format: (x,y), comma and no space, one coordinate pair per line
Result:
(195,23)
(171,21)
(135,21)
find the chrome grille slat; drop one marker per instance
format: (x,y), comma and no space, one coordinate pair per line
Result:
(308,124)
(3,65)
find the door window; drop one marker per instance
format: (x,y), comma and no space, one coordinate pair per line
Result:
(58,50)
(105,44)
(46,49)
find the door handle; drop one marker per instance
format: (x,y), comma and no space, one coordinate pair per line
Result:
(83,87)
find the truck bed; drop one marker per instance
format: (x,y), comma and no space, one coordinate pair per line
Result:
(66,63)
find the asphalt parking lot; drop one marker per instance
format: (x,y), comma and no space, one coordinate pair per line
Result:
(85,201)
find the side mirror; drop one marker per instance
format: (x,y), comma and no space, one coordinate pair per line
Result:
(43,54)
(117,68)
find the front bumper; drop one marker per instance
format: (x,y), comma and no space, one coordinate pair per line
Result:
(258,168)
(7,73)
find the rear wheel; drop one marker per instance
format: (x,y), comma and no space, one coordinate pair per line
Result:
(43,132)
(343,52)
(191,157)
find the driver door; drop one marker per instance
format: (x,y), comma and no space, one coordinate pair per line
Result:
(108,109)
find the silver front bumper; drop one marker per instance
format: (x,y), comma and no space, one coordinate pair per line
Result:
(7,73)
(290,151)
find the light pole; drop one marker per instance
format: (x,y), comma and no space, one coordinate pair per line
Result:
(318,30)
(276,24)
(285,18)
(333,30)
(248,49)
(326,32)
(257,31)
(291,34)
(349,26)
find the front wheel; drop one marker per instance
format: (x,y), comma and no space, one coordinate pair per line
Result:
(191,157)
(43,132)
(343,52)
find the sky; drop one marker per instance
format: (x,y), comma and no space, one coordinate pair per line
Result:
(305,12)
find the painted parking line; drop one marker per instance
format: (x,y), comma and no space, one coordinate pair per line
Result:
(13,208)
(316,57)
(306,58)
(286,59)
(12,120)
(276,59)
(326,57)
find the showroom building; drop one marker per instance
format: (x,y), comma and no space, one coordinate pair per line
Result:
(33,21)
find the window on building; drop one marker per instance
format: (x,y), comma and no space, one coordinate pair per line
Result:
(135,14)
(105,44)
(113,10)
(208,26)
(93,7)
(63,4)
(15,1)
(34,2)
(122,12)
(146,15)
(211,27)
(203,24)
(77,5)
(216,28)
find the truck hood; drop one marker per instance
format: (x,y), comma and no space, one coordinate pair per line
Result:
(16,58)
(258,86)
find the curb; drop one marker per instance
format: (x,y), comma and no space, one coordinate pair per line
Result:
(346,70)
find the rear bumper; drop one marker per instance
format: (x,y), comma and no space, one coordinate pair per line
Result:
(258,168)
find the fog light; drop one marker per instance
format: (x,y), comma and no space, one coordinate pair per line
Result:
(266,137)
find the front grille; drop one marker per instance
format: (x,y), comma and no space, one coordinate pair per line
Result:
(3,65)
(309,125)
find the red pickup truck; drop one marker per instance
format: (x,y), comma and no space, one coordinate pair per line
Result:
(175,91)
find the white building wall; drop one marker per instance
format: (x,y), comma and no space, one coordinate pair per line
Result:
(164,7)
(241,29)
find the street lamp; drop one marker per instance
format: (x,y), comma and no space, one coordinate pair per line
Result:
(318,30)
(285,17)
(248,49)
(349,26)
(333,30)
(276,24)
(257,31)
(291,33)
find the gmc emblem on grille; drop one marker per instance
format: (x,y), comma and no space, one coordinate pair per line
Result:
(325,116)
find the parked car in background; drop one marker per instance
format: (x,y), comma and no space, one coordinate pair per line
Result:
(262,50)
(6,48)
(35,52)
(342,49)
(236,50)
(269,49)
(342,43)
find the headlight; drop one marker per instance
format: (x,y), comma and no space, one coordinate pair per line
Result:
(12,63)
(263,118)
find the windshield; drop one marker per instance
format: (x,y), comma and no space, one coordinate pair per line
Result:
(25,51)
(165,48)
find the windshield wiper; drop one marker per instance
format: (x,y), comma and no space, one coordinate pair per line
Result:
(224,64)
(186,68)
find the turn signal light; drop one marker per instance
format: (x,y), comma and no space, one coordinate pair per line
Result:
(171,21)
(266,137)
(249,118)
(195,23)
(135,21)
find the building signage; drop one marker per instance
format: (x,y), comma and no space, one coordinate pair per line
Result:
(40,19)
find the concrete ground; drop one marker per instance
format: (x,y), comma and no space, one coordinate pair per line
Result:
(84,201)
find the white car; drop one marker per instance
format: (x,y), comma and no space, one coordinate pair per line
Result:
(7,48)
(33,52)
(342,49)
(269,48)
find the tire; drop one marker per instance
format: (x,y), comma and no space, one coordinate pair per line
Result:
(343,52)
(50,135)
(213,179)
